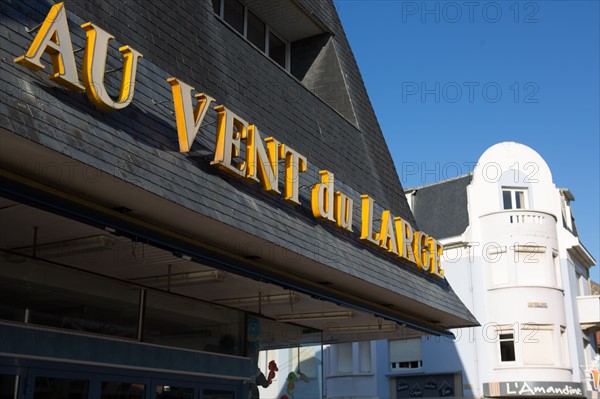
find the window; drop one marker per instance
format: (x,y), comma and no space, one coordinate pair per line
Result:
(121,390)
(344,358)
(405,354)
(171,392)
(277,49)
(60,388)
(364,350)
(70,299)
(507,346)
(186,323)
(538,344)
(217,394)
(255,30)
(557,271)
(233,14)
(8,386)
(514,198)
(531,265)
(564,343)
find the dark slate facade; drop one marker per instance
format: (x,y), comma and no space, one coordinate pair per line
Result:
(441,209)
(185,39)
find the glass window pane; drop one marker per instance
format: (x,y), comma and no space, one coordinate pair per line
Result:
(216,6)
(365,356)
(181,322)
(507,348)
(60,388)
(171,392)
(234,15)
(276,49)
(217,394)
(344,358)
(519,199)
(507,199)
(256,31)
(122,390)
(36,292)
(8,386)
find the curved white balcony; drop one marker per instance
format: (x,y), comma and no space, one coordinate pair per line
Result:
(520,226)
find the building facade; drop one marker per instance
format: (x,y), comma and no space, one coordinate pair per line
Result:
(188,192)
(514,257)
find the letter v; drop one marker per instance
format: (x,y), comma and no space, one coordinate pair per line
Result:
(188,119)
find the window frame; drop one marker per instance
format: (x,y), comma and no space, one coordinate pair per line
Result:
(513,198)
(503,340)
(268,30)
(338,359)
(412,364)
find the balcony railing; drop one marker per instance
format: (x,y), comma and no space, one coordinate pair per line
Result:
(520,222)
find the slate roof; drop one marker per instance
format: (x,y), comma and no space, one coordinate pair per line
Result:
(139,144)
(441,208)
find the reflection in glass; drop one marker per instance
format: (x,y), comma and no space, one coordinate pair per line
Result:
(8,386)
(256,31)
(519,199)
(60,388)
(37,292)
(233,14)
(186,323)
(507,199)
(171,392)
(217,394)
(276,49)
(122,390)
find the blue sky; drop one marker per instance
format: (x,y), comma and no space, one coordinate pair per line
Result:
(449,79)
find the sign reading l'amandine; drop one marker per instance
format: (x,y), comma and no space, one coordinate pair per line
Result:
(233,134)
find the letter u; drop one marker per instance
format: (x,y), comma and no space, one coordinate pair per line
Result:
(94,67)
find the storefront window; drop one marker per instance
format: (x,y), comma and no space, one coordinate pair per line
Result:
(181,322)
(60,388)
(122,390)
(8,386)
(33,291)
(174,392)
(217,394)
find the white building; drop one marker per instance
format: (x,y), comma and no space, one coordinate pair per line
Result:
(514,257)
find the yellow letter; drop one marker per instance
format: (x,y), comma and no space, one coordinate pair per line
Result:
(188,120)
(294,165)
(367,220)
(387,237)
(54,38)
(231,129)
(420,249)
(322,197)
(94,65)
(258,158)
(435,252)
(343,210)
(404,233)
